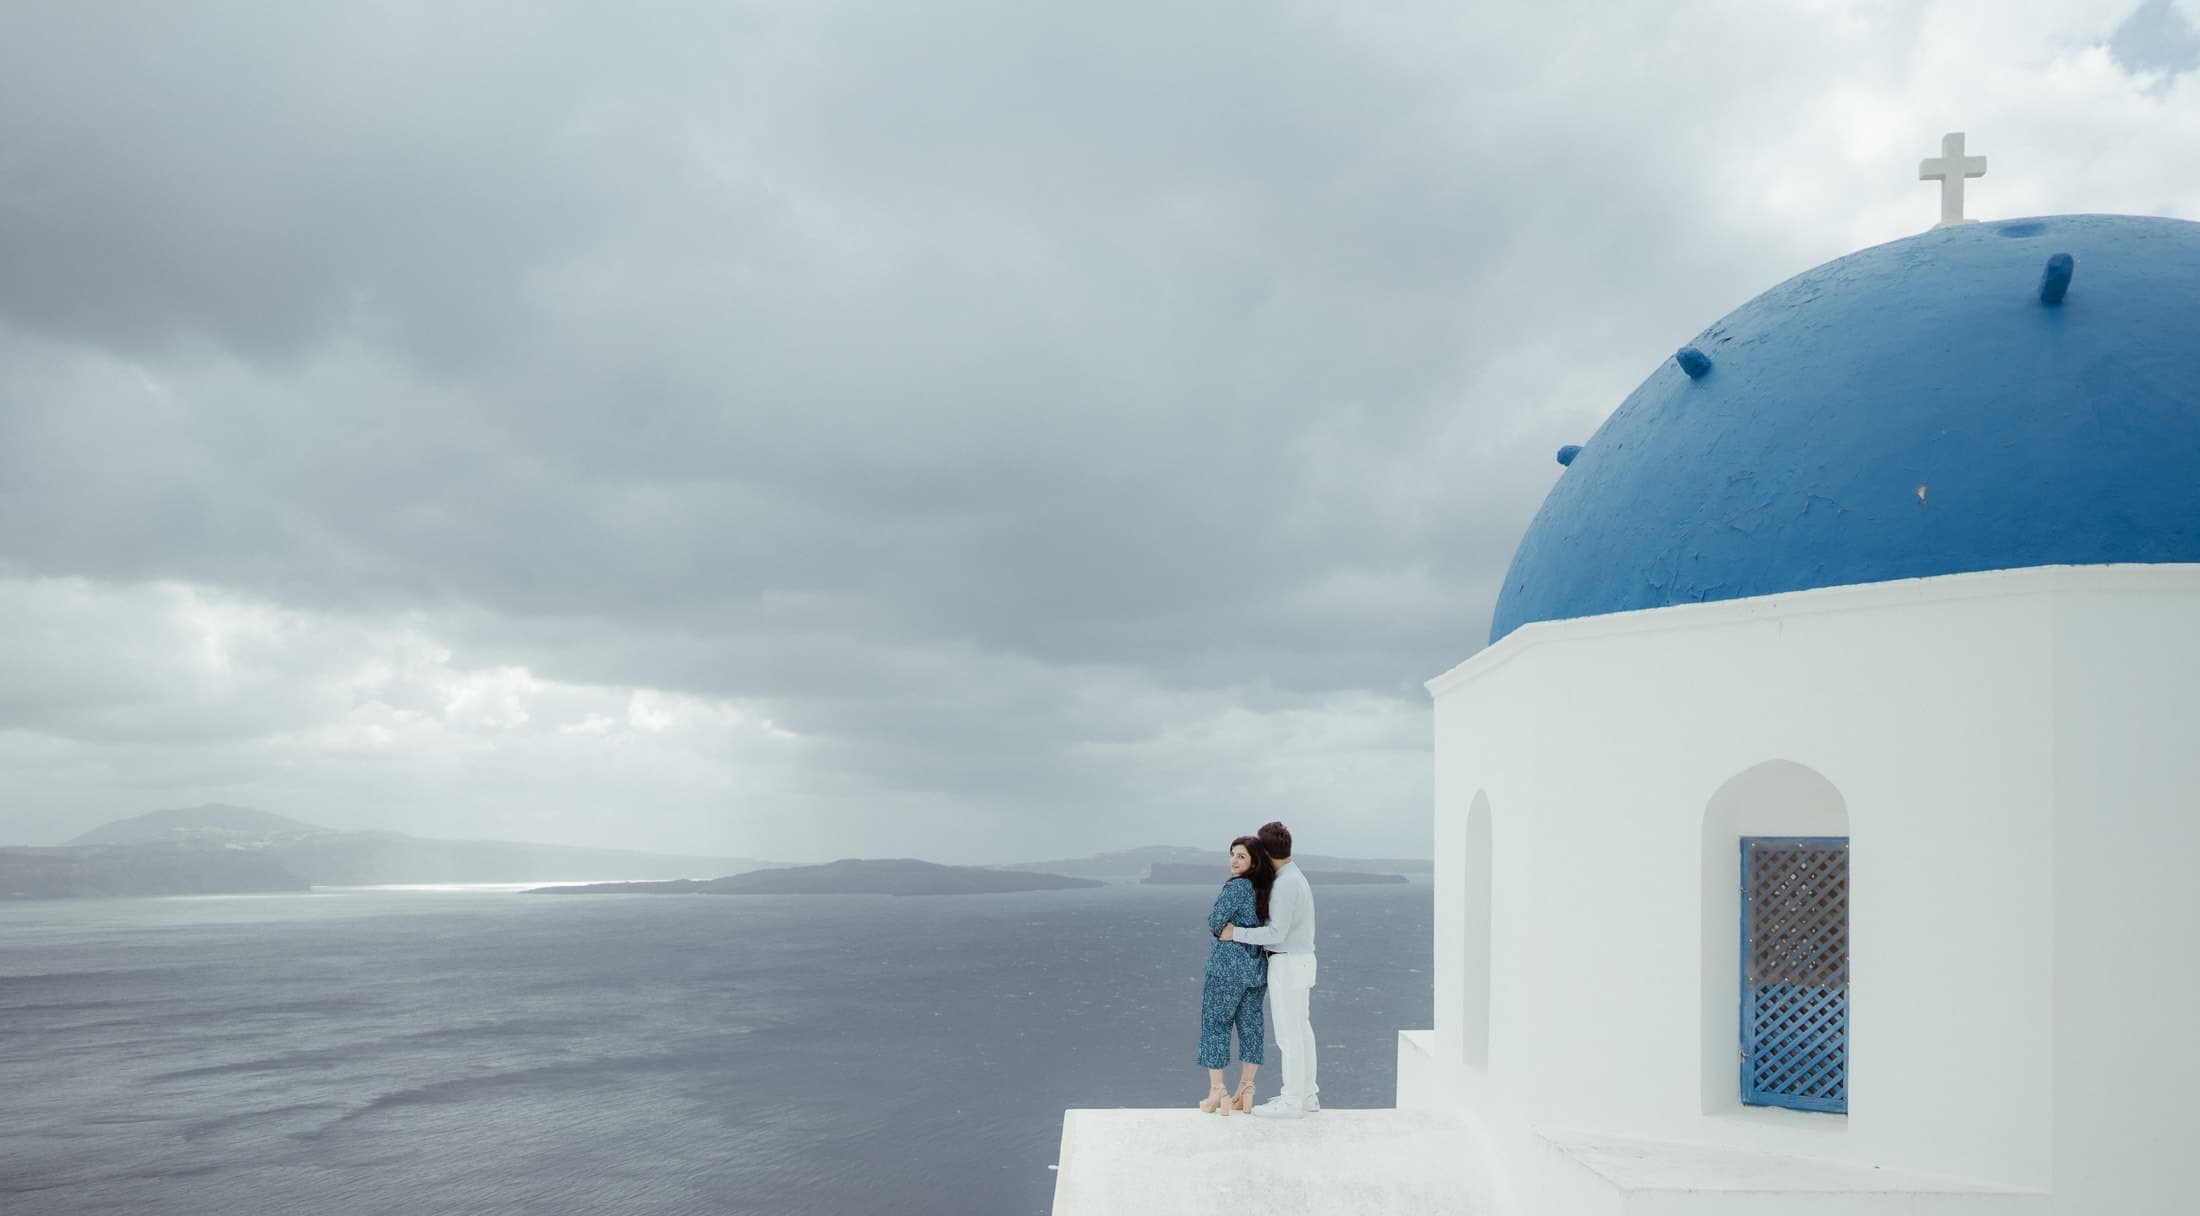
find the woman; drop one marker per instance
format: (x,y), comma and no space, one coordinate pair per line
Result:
(1236,988)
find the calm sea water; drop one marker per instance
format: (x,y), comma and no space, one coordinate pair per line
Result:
(413,1052)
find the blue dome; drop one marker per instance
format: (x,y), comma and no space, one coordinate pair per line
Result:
(1914,409)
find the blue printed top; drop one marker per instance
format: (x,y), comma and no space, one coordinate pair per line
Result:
(1246,965)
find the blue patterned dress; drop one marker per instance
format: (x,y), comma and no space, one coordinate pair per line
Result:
(1235,992)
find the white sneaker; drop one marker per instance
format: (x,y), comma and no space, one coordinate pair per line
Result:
(1314,1105)
(1280,1108)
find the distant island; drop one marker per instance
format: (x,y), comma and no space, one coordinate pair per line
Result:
(206,823)
(850,876)
(219,849)
(1136,865)
(1212,874)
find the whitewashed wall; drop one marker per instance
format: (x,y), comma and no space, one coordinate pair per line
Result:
(2014,756)
(2127,882)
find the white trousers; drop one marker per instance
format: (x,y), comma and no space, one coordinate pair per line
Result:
(1290,986)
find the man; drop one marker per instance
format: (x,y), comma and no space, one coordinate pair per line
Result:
(1289,938)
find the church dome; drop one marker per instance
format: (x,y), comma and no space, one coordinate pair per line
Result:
(1965,399)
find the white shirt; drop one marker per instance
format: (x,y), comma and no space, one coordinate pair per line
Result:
(1290,927)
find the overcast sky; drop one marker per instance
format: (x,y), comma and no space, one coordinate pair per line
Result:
(980,431)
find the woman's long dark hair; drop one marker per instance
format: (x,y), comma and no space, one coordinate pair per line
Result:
(1262,875)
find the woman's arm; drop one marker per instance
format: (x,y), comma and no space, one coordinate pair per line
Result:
(1283,913)
(1236,898)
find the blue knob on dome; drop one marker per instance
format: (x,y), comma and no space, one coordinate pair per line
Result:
(1696,363)
(2055,280)
(1566,454)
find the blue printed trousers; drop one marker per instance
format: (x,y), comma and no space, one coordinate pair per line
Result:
(1224,1003)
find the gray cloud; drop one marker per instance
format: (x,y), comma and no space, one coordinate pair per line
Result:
(1034,414)
(2157,37)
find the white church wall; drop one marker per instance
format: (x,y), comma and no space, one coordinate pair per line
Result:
(2127,676)
(1602,746)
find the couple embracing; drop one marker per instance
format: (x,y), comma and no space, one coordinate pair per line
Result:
(1263,925)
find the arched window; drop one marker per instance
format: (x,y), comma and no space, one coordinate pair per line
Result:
(1775,941)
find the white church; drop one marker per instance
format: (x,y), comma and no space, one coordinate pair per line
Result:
(1819,831)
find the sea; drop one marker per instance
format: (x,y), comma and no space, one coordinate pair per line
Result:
(430,1050)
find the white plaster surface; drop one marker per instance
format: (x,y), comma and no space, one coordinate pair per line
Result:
(1647,1165)
(1336,1163)
(1420,1078)
(2012,756)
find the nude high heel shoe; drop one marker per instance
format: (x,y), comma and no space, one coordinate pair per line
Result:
(1216,1097)
(1243,1098)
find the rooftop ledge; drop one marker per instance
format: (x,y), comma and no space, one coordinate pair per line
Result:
(1343,1162)
(2174,577)
(1338,1162)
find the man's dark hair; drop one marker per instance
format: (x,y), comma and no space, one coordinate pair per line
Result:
(1276,838)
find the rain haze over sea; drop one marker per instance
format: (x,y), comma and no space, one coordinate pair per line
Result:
(381,1051)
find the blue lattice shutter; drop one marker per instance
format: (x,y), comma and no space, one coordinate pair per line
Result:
(1795,972)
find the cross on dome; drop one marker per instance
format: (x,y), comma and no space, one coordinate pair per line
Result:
(1951,167)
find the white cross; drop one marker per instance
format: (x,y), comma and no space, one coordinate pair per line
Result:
(1951,167)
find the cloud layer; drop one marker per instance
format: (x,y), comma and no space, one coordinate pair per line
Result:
(971,430)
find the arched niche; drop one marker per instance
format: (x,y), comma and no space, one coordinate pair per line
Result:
(1475,914)
(1775,798)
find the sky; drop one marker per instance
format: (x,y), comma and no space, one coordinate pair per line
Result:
(975,430)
